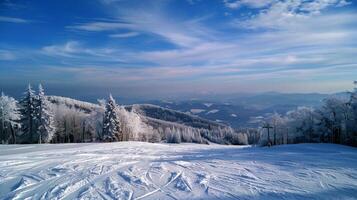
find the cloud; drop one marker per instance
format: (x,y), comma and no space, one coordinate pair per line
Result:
(286,41)
(9,4)
(68,49)
(302,43)
(316,7)
(147,23)
(13,20)
(282,14)
(234,4)
(124,35)
(74,52)
(101,26)
(7,55)
(151,20)
(164,80)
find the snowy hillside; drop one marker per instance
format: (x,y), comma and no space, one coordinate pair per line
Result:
(135,170)
(82,121)
(169,115)
(73,103)
(147,110)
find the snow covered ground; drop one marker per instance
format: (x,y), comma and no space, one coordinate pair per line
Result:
(135,170)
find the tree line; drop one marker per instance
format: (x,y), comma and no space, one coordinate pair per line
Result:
(334,122)
(36,118)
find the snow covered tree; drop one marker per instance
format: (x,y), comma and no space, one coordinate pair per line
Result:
(155,137)
(353,101)
(278,122)
(333,117)
(9,116)
(301,125)
(111,122)
(352,120)
(94,125)
(172,135)
(45,123)
(28,115)
(132,125)
(68,123)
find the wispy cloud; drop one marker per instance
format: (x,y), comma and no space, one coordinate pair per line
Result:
(148,24)
(124,35)
(152,20)
(68,49)
(296,39)
(13,20)
(234,4)
(274,39)
(101,26)
(283,14)
(76,52)
(7,55)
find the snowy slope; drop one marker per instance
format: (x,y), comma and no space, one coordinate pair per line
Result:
(152,112)
(158,121)
(73,103)
(169,115)
(134,170)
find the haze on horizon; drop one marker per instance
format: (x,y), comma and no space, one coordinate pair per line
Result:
(171,47)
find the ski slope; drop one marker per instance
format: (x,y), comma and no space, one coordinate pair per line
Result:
(135,170)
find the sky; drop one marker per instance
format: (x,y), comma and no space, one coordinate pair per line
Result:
(168,48)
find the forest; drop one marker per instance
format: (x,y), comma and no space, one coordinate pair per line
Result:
(38,118)
(333,122)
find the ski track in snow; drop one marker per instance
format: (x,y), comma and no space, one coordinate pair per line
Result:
(136,170)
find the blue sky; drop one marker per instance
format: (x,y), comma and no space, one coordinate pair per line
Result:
(170,48)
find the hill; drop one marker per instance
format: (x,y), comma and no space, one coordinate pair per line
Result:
(152,122)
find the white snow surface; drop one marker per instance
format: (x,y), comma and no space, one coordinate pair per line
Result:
(136,170)
(196,111)
(208,104)
(212,111)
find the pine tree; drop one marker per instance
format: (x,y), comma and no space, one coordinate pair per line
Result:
(44,118)
(9,115)
(111,123)
(28,115)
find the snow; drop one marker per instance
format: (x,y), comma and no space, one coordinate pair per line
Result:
(233,115)
(208,104)
(74,103)
(136,170)
(212,111)
(196,111)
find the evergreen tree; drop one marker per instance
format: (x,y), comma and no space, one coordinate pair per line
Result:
(28,115)
(9,115)
(44,118)
(111,123)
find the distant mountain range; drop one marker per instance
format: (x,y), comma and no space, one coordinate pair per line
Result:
(241,110)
